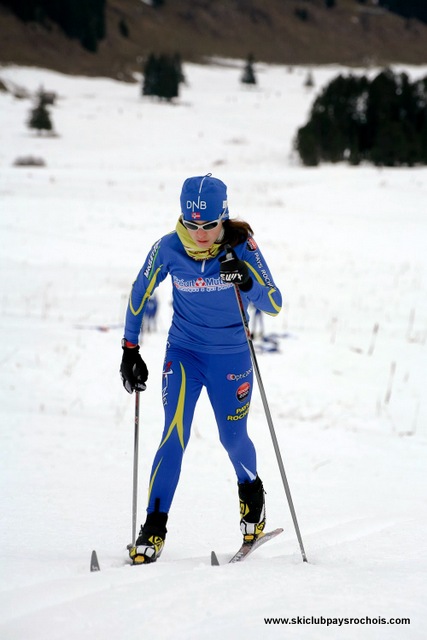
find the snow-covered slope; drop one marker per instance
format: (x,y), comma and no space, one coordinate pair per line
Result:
(346,391)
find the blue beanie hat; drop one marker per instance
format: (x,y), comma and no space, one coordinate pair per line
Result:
(204,198)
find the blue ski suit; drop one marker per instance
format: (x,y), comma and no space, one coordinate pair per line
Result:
(206,346)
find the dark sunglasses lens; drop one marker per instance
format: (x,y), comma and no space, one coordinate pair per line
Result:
(210,225)
(190,225)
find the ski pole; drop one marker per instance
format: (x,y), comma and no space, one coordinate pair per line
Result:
(135,471)
(230,256)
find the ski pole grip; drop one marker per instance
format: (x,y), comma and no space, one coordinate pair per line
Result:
(229,255)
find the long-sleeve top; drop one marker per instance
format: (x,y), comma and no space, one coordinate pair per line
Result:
(206,316)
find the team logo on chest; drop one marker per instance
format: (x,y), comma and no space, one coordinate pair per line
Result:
(199,284)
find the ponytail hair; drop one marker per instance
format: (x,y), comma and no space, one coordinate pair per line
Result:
(236,232)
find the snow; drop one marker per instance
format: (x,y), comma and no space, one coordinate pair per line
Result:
(346,391)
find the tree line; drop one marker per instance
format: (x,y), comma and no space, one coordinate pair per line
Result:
(383,121)
(80,19)
(406,8)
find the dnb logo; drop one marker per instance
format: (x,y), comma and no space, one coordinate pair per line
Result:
(200,282)
(243,391)
(196,206)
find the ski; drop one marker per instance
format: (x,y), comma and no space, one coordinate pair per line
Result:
(245,550)
(247,547)
(94,564)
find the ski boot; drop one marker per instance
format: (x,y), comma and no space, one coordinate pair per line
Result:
(252,509)
(151,540)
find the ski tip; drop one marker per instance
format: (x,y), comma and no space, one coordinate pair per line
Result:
(214,559)
(94,564)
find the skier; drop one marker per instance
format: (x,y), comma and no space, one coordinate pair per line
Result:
(206,346)
(150,315)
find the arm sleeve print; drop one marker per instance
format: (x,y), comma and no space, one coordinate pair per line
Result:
(152,273)
(264,294)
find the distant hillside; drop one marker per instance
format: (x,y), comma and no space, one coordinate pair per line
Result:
(351,32)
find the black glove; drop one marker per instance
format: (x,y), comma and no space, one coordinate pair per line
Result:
(235,271)
(133,370)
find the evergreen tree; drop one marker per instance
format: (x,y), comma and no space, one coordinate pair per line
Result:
(168,78)
(383,121)
(248,76)
(309,80)
(178,67)
(335,119)
(40,117)
(420,93)
(150,75)
(123,28)
(162,76)
(390,128)
(302,14)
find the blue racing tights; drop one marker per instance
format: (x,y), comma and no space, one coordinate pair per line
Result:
(228,379)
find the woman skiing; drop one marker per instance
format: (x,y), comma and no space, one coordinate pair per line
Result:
(206,346)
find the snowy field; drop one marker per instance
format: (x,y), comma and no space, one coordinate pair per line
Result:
(346,391)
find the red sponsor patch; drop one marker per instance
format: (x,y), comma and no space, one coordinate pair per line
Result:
(252,245)
(243,391)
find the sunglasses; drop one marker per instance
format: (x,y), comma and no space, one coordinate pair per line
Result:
(206,226)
